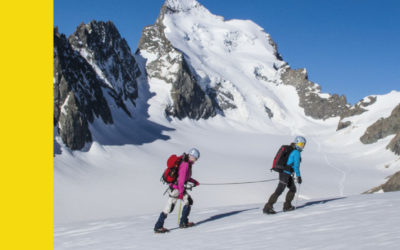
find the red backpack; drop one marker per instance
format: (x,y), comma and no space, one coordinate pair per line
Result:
(281,158)
(170,174)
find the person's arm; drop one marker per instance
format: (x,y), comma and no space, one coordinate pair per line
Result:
(183,168)
(196,183)
(295,160)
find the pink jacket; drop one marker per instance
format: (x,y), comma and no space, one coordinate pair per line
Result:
(185,175)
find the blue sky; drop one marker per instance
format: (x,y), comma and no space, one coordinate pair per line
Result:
(349,47)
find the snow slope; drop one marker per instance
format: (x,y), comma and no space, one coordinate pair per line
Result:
(118,175)
(355,222)
(123,179)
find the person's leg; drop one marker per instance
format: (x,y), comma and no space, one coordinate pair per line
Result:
(169,207)
(188,202)
(283,180)
(173,198)
(287,206)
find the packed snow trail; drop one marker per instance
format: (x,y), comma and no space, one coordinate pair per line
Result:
(355,222)
(329,164)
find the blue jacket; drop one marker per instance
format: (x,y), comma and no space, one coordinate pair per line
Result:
(294,161)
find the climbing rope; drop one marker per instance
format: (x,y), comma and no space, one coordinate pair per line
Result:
(236,183)
(190,187)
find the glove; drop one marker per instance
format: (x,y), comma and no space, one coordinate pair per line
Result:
(299,180)
(180,196)
(196,183)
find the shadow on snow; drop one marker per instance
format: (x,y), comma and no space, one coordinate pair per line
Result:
(310,203)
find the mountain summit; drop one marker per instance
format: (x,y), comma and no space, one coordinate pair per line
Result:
(181,5)
(234,65)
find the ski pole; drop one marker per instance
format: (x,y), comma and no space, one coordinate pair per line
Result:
(179,211)
(298,194)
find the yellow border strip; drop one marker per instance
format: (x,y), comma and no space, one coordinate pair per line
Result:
(26,103)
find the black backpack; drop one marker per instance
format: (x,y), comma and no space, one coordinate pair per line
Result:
(281,159)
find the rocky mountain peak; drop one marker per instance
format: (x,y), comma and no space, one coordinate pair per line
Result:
(181,5)
(314,104)
(108,53)
(169,64)
(95,75)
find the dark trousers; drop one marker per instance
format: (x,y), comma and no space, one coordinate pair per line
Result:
(285,180)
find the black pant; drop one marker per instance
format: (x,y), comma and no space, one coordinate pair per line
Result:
(285,180)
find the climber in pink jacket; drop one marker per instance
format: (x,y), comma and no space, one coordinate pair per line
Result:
(178,191)
(185,175)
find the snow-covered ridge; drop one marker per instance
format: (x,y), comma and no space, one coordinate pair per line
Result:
(227,59)
(182,5)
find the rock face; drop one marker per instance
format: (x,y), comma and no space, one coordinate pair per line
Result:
(393,184)
(314,105)
(385,127)
(170,65)
(110,56)
(78,95)
(357,109)
(93,70)
(394,144)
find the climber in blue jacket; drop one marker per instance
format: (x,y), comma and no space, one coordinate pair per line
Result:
(286,179)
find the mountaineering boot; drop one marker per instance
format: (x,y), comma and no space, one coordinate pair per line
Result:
(269,206)
(287,206)
(269,210)
(184,219)
(186,225)
(161,230)
(159,227)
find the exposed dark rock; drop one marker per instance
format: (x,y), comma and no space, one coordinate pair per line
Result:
(103,47)
(78,95)
(273,44)
(259,75)
(221,98)
(383,127)
(173,6)
(357,109)
(372,100)
(342,125)
(73,125)
(94,65)
(314,105)
(393,184)
(394,144)
(269,112)
(189,99)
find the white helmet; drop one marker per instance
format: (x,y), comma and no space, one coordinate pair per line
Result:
(300,142)
(194,152)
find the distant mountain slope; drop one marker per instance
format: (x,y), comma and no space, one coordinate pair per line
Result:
(385,127)
(198,66)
